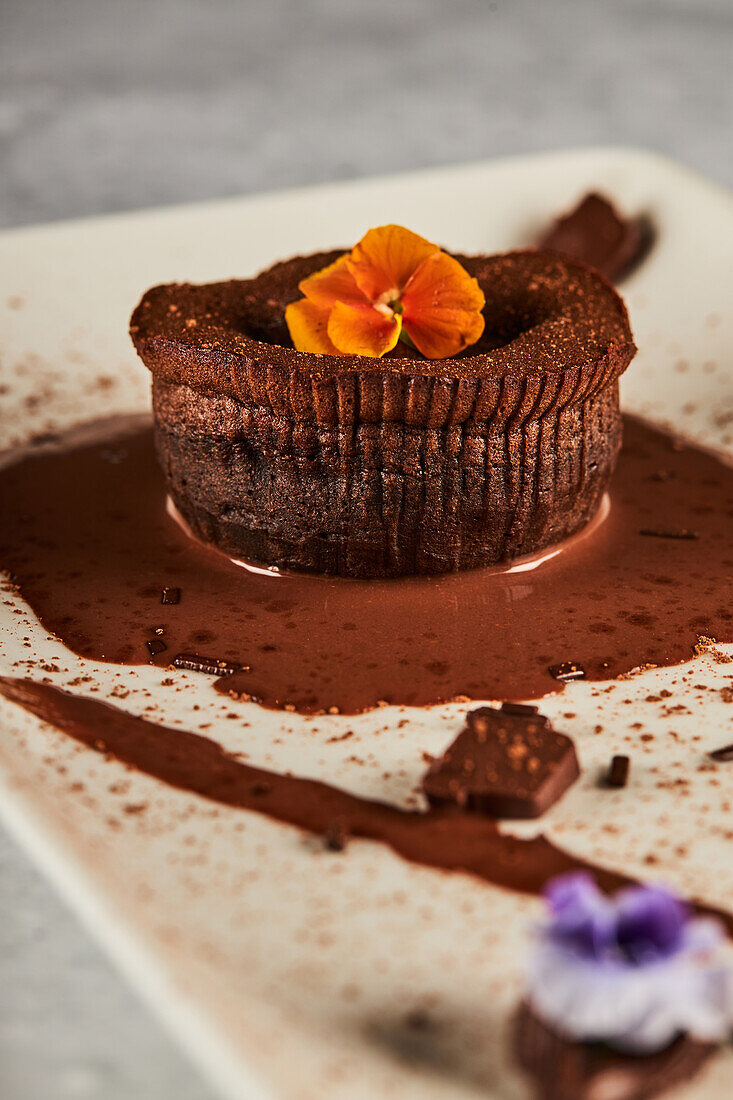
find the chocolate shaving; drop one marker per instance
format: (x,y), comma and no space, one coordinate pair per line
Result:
(518,708)
(170,595)
(155,646)
(722,756)
(618,773)
(194,662)
(682,533)
(567,670)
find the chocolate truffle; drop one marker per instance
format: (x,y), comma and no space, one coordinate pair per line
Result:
(383,467)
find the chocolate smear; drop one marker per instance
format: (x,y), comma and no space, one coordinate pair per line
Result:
(618,773)
(506,763)
(444,838)
(563,1069)
(595,233)
(213,666)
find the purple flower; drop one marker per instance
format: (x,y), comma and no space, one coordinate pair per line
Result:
(640,925)
(633,970)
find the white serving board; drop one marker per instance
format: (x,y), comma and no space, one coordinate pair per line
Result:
(286,971)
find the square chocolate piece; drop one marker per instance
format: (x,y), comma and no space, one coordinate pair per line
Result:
(506,762)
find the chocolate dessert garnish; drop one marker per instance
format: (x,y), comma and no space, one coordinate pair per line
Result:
(565,1070)
(505,763)
(519,708)
(618,772)
(213,666)
(683,533)
(567,670)
(380,467)
(596,234)
(722,756)
(155,646)
(170,595)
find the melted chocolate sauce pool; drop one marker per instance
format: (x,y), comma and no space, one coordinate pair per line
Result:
(88,540)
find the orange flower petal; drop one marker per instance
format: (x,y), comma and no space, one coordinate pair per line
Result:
(362,330)
(308,325)
(444,333)
(385,258)
(332,284)
(442,307)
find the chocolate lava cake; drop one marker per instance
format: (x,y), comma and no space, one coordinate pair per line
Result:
(369,467)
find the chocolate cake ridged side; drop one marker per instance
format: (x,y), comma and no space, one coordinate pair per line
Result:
(384,497)
(377,396)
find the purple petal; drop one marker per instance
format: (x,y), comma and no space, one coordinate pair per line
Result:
(650,924)
(582,917)
(703,935)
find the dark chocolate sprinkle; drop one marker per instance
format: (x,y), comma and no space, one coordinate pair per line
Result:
(618,773)
(683,533)
(567,670)
(194,662)
(722,756)
(155,646)
(518,708)
(170,595)
(336,836)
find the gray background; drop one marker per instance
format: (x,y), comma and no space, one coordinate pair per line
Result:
(113,105)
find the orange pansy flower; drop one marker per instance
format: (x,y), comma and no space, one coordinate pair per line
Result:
(393,284)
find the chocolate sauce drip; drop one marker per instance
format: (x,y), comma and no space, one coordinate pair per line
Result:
(447,839)
(87,538)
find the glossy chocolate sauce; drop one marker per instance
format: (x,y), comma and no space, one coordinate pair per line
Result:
(88,540)
(448,839)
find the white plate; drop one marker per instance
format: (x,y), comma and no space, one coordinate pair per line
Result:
(284,970)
